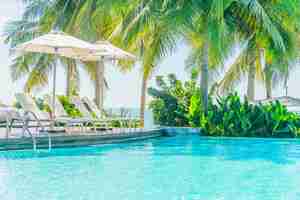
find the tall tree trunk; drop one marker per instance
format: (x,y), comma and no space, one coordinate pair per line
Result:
(143,100)
(251,83)
(286,79)
(268,74)
(268,83)
(70,78)
(99,85)
(204,78)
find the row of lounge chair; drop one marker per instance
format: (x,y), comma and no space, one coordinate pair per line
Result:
(31,116)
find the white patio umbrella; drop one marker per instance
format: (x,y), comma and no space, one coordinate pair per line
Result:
(105,50)
(60,44)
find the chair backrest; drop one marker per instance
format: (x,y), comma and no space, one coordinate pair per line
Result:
(59,108)
(3,105)
(81,107)
(28,104)
(93,107)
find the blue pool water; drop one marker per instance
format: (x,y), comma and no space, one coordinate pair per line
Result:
(178,168)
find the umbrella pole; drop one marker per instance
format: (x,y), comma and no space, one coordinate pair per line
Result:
(53,98)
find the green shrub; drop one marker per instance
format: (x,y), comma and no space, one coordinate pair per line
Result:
(229,116)
(69,107)
(179,104)
(171,101)
(195,110)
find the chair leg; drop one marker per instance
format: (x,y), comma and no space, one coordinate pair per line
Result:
(95,128)
(24,128)
(7,128)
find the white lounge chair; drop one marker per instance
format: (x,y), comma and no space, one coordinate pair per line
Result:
(60,113)
(87,114)
(10,116)
(100,114)
(33,114)
(59,108)
(93,108)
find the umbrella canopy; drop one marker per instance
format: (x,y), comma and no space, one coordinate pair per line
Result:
(57,43)
(61,44)
(104,50)
(107,50)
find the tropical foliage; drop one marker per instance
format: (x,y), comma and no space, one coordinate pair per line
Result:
(172,101)
(91,20)
(179,104)
(152,30)
(261,57)
(69,107)
(230,116)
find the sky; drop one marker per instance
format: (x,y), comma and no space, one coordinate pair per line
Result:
(124,88)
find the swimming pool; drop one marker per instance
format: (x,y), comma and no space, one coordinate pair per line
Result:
(177,168)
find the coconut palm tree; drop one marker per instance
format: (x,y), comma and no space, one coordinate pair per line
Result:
(95,21)
(263,59)
(36,67)
(153,27)
(41,17)
(149,30)
(214,22)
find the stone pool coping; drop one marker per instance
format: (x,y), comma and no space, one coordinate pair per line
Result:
(64,140)
(77,140)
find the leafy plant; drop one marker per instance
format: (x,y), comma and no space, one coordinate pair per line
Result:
(69,107)
(230,116)
(171,102)
(179,104)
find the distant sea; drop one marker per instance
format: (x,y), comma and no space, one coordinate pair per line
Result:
(133,113)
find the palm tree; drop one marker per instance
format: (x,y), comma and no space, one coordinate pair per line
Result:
(41,17)
(269,48)
(36,67)
(150,32)
(214,22)
(98,21)
(152,28)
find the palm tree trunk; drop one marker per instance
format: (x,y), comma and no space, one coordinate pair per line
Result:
(268,74)
(204,78)
(143,101)
(268,83)
(99,85)
(70,77)
(71,82)
(286,79)
(251,83)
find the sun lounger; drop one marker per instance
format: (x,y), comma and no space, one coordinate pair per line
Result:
(10,116)
(33,114)
(60,112)
(100,114)
(87,114)
(93,108)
